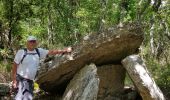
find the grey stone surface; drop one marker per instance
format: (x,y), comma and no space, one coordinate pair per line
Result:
(103,48)
(84,85)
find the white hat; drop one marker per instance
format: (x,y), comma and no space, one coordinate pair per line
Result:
(31,38)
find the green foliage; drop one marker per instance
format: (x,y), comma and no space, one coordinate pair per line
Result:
(159,70)
(59,23)
(164,77)
(128,80)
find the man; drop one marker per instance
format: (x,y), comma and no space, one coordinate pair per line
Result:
(25,67)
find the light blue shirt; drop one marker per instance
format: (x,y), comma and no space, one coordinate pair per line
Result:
(29,66)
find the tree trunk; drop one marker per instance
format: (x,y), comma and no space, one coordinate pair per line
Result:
(141,78)
(101,20)
(151,36)
(50,26)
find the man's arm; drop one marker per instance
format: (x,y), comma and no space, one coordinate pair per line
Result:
(54,52)
(14,72)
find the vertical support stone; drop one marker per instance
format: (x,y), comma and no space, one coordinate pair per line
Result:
(139,74)
(84,85)
(111,82)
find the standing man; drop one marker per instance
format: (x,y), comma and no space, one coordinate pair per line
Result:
(25,67)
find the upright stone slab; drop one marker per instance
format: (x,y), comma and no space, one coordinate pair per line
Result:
(141,78)
(84,85)
(111,82)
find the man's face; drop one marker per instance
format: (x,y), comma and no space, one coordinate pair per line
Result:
(31,44)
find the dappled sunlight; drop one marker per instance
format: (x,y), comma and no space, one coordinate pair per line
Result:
(103,32)
(68,95)
(142,72)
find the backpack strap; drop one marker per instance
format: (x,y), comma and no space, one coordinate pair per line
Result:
(25,53)
(38,52)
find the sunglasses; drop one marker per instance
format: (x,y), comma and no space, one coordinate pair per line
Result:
(32,41)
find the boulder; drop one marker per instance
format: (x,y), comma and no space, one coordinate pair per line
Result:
(130,93)
(84,85)
(111,82)
(108,47)
(142,79)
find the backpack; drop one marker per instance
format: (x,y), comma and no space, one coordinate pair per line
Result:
(25,54)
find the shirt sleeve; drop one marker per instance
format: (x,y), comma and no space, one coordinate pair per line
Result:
(43,52)
(18,56)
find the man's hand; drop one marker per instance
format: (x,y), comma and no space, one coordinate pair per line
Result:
(69,56)
(69,49)
(14,84)
(14,88)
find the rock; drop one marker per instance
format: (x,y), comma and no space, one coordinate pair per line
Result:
(103,48)
(139,74)
(4,89)
(111,81)
(84,85)
(45,96)
(130,93)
